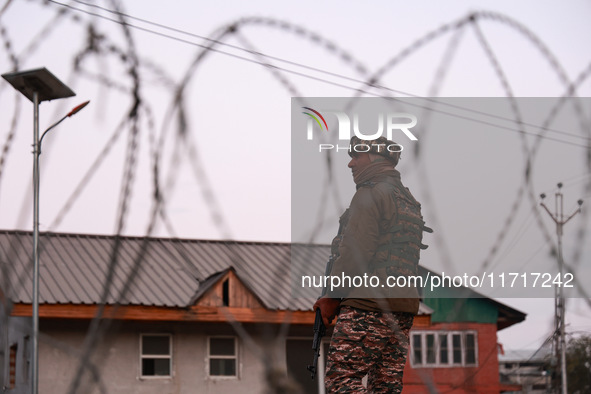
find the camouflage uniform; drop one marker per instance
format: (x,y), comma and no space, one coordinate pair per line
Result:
(380,235)
(368,343)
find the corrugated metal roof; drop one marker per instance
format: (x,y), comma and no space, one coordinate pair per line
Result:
(90,269)
(526,355)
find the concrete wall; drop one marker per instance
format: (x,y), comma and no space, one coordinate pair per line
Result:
(115,364)
(116,361)
(17,331)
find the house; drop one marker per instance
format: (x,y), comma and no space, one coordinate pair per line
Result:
(454,348)
(528,368)
(157,315)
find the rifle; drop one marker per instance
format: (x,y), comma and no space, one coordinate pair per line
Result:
(319,332)
(319,327)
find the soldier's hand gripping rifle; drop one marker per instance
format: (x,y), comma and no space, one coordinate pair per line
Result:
(319,327)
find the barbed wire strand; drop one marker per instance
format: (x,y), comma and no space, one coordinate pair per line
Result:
(329,46)
(128,181)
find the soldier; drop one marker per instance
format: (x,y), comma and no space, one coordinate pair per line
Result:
(380,235)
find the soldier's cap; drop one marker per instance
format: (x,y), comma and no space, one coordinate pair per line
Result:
(380,146)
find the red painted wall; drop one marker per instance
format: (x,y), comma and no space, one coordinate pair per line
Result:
(453,380)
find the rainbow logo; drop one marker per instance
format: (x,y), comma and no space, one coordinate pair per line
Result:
(315,118)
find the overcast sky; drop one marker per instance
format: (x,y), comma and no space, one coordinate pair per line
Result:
(229,174)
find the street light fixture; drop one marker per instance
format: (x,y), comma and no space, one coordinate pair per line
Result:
(38,85)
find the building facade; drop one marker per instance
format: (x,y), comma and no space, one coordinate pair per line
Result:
(528,368)
(152,315)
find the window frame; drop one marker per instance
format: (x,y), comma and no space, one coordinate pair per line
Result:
(143,356)
(436,348)
(209,356)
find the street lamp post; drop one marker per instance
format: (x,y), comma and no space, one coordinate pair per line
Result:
(38,85)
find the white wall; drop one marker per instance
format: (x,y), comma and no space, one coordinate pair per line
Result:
(117,361)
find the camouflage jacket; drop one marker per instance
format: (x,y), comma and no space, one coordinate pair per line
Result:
(379,240)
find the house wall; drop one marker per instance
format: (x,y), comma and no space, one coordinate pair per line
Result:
(483,379)
(117,359)
(449,310)
(16,332)
(530,374)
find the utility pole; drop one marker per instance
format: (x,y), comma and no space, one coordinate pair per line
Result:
(559,307)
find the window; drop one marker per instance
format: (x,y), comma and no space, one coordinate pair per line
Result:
(430,348)
(444,349)
(470,349)
(12,366)
(417,349)
(155,355)
(226,293)
(457,349)
(26,355)
(223,356)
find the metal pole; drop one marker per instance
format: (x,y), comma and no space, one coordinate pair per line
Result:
(38,85)
(557,313)
(559,303)
(562,309)
(35,367)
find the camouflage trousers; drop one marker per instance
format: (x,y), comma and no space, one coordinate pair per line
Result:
(368,343)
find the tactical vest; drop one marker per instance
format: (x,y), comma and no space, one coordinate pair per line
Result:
(400,238)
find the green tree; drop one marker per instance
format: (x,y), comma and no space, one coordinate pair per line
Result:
(578,365)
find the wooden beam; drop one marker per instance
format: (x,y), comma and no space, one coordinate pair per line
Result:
(422,321)
(196,313)
(156,313)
